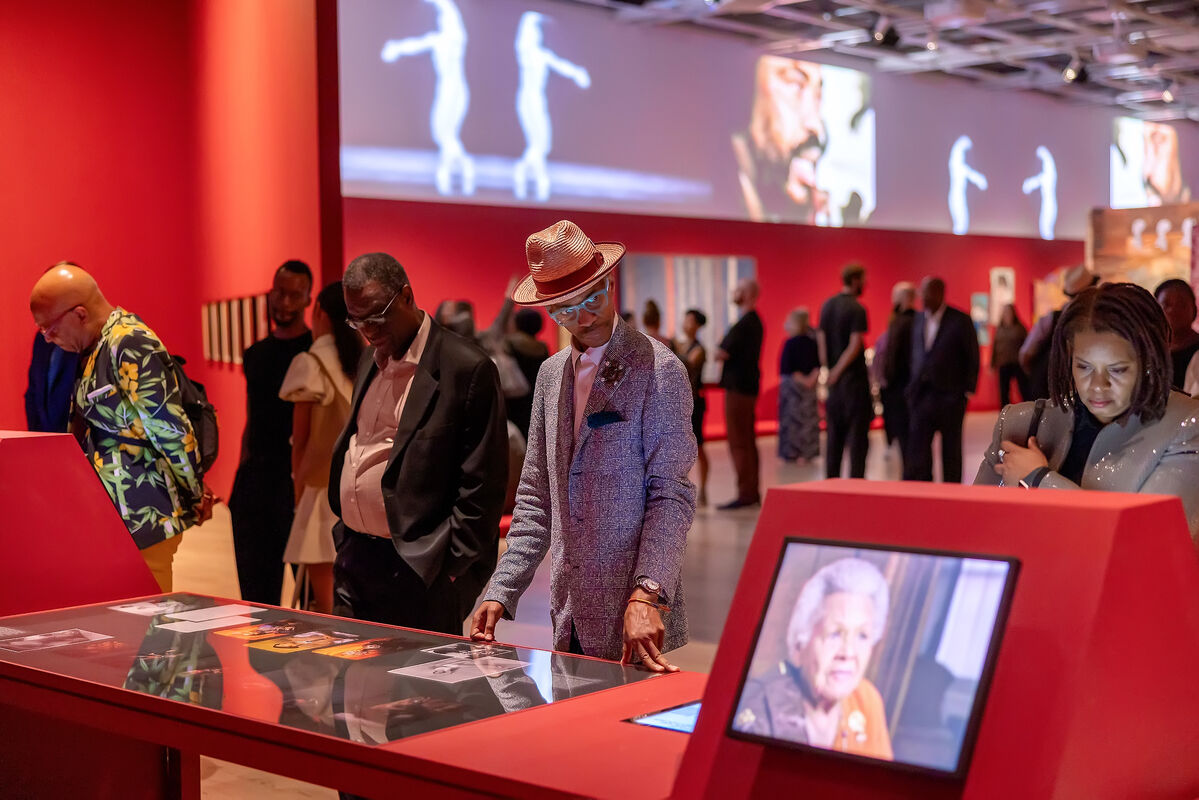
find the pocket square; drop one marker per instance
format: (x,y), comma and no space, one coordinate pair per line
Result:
(601,418)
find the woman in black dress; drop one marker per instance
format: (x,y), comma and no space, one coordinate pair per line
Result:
(799,370)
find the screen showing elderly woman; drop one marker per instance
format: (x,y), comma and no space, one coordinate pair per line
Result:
(876,653)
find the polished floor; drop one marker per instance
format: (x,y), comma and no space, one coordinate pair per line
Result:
(716,548)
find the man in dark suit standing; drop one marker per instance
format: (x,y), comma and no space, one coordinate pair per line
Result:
(741,353)
(419,473)
(944,375)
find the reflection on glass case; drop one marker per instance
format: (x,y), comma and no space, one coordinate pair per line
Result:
(354,680)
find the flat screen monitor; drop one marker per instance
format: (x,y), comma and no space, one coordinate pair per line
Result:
(679,718)
(875,653)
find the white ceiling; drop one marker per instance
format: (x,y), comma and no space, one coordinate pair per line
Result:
(1140,55)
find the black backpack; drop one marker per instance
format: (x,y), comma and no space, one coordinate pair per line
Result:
(200,413)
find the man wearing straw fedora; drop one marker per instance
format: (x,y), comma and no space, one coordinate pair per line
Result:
(604,487)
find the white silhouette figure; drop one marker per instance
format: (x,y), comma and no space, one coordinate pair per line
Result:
(1188,225)
(1046,181)
(535,62)
(1164,226)
(1138,230)
(959,173)
(451,98)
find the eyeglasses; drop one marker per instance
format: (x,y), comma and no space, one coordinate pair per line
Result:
(374,320)
(46,330)
(593,303)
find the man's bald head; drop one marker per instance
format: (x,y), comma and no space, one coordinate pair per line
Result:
(68,307)
(746,294)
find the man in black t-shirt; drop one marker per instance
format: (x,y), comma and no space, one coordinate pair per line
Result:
(262,502)
(849,407)
(741,352)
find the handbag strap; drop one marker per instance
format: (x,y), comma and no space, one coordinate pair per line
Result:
(1038,411)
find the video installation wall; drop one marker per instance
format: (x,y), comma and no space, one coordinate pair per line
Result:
(542,103)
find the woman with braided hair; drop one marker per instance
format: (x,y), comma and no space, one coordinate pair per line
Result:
(1112,422)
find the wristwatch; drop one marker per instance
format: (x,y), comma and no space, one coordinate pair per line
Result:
(650,585)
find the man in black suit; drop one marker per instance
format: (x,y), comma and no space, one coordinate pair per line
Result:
(741,353)
(419,473)
(944,375)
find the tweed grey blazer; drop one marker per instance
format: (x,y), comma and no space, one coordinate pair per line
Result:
(613,503)
(1159,457)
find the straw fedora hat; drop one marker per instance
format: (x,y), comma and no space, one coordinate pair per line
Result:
(1078,278)
(562,260)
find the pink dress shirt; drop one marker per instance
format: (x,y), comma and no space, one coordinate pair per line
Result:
(379,415)
(586,364)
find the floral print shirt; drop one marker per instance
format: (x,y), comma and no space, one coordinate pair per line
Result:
(128,394)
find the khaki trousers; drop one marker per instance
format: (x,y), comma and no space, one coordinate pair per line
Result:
(159,558)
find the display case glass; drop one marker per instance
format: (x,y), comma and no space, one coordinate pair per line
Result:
(354,680)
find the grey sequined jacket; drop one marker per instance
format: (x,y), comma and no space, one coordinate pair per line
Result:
(1160,457)
(611,504)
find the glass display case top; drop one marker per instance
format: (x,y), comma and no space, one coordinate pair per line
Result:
(354,680)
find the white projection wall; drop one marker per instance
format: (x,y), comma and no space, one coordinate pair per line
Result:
(557,104)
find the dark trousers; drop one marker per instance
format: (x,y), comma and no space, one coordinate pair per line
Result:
(935,412)
(371,582)
(1008,373)
(896,419)
(743,443)
(261,506)
(848,412)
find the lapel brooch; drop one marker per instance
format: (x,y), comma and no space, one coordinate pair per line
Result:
(611,372)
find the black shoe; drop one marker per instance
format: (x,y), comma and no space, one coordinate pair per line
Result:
(732,505)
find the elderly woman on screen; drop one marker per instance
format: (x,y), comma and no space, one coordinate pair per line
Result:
(820,696)
(1112,422)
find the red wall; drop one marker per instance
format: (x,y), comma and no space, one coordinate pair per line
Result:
(98,165)
(258,168)
(455,251)
(173,149)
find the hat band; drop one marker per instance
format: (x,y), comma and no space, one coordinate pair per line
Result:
(570,280)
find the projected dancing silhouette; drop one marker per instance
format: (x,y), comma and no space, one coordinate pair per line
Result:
(535,62)
(451,98)
(1046,181)
(959,173)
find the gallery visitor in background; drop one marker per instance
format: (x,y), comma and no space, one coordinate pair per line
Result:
(51,384)
(319,384)
(694,357)
(1034,353)
(893,357)
(129,416)
(1010,333)
(263,500)
(849,408)
(944,376)
(1177,299)
(1112,422)
(741,378)
(799,372)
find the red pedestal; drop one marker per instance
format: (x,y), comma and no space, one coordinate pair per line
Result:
(62,543)
(1094,689)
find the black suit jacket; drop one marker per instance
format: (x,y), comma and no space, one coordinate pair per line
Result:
(950,366)
(443,488)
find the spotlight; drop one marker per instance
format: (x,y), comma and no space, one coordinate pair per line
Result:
(1171,92)
(1075,72)
(884,33)
(933,44)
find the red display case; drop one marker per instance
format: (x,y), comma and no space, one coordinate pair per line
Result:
(1092,694)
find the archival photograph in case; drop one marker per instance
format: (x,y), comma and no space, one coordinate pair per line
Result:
(876,653)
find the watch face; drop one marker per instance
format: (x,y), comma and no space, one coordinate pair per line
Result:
(650,585)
